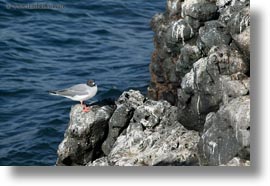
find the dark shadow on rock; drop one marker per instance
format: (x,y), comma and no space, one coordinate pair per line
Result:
(104,102)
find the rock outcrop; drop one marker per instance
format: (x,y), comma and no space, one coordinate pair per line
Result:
(138,132)
(154,137)
(226,133)
(201,56)
(125,107)
(84,135)
(197,111)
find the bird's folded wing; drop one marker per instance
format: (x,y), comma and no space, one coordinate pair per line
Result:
(78,90)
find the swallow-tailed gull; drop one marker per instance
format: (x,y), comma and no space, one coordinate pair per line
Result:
(79,92)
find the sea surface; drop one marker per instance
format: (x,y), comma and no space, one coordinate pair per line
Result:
(109,41)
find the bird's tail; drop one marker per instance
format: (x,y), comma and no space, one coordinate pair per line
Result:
(52,92)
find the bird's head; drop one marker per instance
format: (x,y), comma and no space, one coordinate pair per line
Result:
(91,83)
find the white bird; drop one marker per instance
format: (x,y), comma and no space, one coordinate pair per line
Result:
(79,92)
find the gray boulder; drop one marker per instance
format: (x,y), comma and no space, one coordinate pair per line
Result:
(173,7)
(230,8)
(236,15)
(125,106)
(213,33)
(154,137)
(209,83)
(228,60)
(239,21)
(84,135)
(178,32)
(202,10)
(194,23)
(226,133)
(188,55)
(233,88)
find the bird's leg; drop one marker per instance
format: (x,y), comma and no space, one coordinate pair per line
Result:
(82,104)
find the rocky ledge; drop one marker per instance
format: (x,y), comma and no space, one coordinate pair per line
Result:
(197,111)
(138,131)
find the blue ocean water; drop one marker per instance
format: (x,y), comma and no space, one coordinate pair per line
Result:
(109,41)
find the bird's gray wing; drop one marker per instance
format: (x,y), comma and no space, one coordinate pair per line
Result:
(80,89)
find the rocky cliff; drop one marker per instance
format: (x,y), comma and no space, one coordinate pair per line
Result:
(197,111)
(201,57)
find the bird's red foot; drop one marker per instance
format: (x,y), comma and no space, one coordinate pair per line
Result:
(86,109)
